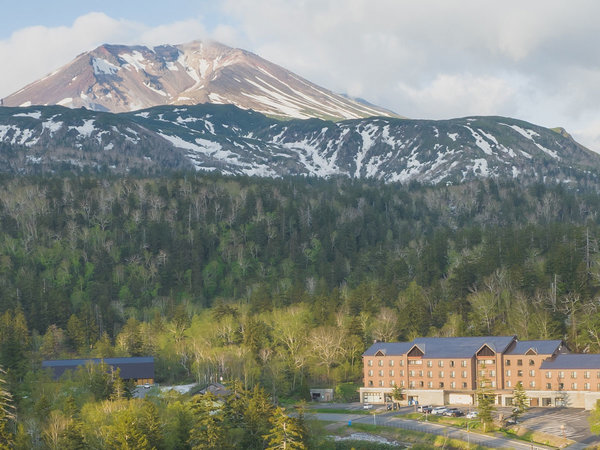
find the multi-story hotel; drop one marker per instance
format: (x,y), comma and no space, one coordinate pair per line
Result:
(449,370)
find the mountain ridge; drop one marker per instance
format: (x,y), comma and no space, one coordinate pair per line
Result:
(232,141)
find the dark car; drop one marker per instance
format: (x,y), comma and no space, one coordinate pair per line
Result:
(426,409)
(453,412)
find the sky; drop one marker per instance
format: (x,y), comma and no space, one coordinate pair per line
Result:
(534,60)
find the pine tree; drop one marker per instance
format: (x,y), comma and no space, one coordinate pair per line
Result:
(286,434)
(520,401)
(486,400)
(6,415)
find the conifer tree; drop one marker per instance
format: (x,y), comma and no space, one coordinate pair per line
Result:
(520,401)
(286,433)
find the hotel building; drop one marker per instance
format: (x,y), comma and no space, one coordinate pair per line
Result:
(443,371)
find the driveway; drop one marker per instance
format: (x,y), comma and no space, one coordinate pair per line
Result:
(388,420)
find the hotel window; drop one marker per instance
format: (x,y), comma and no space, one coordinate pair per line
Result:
(441,374)
(392,383)
(420,373)
(493,384)
(411,373)
(532,373)
(380,362)
(401,383)
(370,382)
(452,374)
(586,374)
(441,363)
(464,385)
(508,384)
(381,373)
(492,373)
(453,384)
(561,386)
(451,363)
(429,363)
(392,373)
(573,385)
(508,373)
(429,374)
(381,383)
(391,363)
(411,384)
(441,384)
(421,384)
(401,362)
(548,374)
(519,362)
(402,373)
(532,384)
(464,374)
(519,373)
(573,374)
(370,373)
(370,362)
(430,384)
(549,386)
(482,373)
(586,386)
(508,362)
(561,374)
(531,362)
(463,363)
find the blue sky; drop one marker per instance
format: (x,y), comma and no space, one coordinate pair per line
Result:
(20,14)
(433,59)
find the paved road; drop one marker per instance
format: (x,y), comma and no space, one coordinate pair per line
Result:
(389,420)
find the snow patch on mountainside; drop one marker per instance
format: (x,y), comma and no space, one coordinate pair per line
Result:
(103,67)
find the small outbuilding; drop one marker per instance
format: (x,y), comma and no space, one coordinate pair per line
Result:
(139,369)
(321,395)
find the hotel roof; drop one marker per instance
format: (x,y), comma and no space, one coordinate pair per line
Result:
(443,347)
(539,347)
(573,361)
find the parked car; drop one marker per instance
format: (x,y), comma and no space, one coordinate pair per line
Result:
(453,412)
(367,406)
(424,408)
(472,415)
(438,410)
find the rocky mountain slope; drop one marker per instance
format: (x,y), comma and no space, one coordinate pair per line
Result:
(120,78)
(229,140)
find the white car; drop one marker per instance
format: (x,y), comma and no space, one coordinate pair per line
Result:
(472,415)
(367,406)
(438,410)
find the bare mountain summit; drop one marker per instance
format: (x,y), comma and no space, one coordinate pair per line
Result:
(120,78)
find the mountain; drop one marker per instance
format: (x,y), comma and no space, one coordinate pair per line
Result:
(229,140)
(120,78)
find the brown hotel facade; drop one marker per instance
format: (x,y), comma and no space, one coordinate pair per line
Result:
(443,371)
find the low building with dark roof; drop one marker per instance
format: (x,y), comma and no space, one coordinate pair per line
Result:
(449,371)
(139,369)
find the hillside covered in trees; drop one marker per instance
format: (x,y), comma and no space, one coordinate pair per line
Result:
(281,283)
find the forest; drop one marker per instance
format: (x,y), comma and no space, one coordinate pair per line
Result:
(273,285)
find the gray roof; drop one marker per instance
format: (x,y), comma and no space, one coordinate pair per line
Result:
(130,368)
(540,347)
(443,347)
(573,361)
(389,348)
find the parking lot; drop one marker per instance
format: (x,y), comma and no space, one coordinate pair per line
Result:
(567,422)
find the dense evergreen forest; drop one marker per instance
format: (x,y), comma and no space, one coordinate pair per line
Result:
(279,283)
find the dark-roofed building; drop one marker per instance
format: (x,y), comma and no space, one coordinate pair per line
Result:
(140,369)
(449,370)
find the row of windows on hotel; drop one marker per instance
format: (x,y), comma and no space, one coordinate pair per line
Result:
(482,373)
(464,385)
(451,363)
